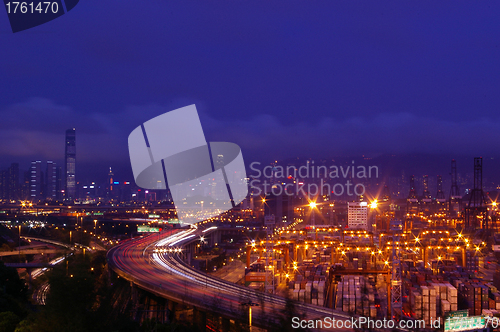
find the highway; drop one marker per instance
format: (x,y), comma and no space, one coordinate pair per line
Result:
(157,266)
(34,251)
(40,294)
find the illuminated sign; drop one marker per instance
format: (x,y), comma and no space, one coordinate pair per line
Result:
(464,323)
(457,314)
(147,229)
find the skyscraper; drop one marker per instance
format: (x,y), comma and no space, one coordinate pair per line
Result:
(3,184)
(35,180)
(50,181)
(13,181)
(9,183)
(109,187)
(24,188)
(70,160)
(59,184)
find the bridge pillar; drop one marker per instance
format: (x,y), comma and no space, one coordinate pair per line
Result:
(149,306)
(200,319)
(134,299)
(171,305)
(189,253)
(160,310)
(133,293)
(226,324)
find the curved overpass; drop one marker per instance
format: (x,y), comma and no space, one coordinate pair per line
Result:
(155,265)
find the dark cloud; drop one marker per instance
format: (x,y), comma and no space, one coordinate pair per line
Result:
(280,79)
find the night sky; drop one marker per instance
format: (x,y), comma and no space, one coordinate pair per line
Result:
(279,78)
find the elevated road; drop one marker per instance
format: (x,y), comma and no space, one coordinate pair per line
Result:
(32,252)
(39,239)
(28,265)
(156,265)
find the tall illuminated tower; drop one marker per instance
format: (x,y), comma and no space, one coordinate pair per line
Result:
(36,181)
(70,161)
(109,188)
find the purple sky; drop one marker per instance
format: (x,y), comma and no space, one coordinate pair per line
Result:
(280,78)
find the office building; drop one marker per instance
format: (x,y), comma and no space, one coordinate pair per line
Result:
(357,215)
(59,183)
(51,181)
(9,183)
(36,184)
(3,184)
(110,194)
(70,161)
(13,181)
(281,207)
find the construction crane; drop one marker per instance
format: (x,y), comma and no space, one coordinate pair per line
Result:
(396,289)
(475,210)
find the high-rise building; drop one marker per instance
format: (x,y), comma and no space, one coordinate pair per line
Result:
(9,183)
(13,181)
(3,184)
(24,188)
(109,186)
(50,181)
(59,184)
(357,215)
(70,160)
(36,181)
(281,206)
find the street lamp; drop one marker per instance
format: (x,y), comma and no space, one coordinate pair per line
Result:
(95,227)
(312,205)
(19,243)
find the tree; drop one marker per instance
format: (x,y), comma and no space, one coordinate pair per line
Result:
(8,321)
(13,292)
